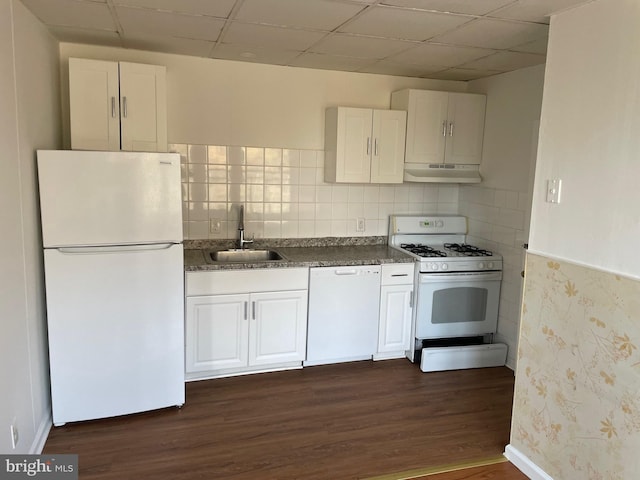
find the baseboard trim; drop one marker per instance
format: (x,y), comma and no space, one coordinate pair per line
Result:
(429,471)
(524,464)
(42,434)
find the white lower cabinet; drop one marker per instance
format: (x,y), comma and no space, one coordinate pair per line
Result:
(396,310)
(235,333)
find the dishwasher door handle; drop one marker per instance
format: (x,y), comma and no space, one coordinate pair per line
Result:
(346,272)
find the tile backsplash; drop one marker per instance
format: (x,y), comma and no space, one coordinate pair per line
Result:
(285,196)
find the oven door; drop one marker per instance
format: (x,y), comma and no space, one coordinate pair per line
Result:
(457,304)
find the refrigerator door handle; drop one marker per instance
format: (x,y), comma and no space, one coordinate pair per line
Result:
(114,248)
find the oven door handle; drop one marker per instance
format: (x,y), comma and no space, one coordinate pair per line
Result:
(460,277)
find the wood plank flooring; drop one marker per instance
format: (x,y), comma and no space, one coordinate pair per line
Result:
(344,421)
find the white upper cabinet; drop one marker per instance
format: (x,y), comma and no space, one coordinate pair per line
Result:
(442,127)
(363,145)
(117,106)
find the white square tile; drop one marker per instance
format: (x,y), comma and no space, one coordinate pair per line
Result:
(217,174)
(198,211)
(323,211)
(401,194)
(306,211)
(255,193)
(272,211)
(198,192)
(236,174)
(290,175)
(290,193)
(308,158)
(339,228)
(197,154)
(272,229)
(320,176)
(254,156)
(356,194)
(290,229)
(385,210)
(356,210)
(273,193)
(340,193)
(307,228)
(370,211)
(307,194)
(273,157)
(181,149)
(184,188)
(290,211)
(307,176)
(254,229)
(291,158)
(323,228)
(255,175)
(254,211)
(339,211)
(323,194)
(273,175)
(236,155)
(218,211)
(236,192)
(371,194)
(184,172)
(387,194)
(197,173)
(198,229)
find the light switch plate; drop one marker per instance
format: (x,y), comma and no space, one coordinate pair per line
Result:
(553,190)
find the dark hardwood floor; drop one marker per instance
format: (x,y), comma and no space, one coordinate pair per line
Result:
(344,421)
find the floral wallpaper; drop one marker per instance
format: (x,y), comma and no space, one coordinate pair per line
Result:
(577,397)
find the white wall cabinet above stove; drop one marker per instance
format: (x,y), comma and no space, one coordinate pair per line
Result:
(364,145)
(244,321)
(117,106)
(396,308)
(442,127)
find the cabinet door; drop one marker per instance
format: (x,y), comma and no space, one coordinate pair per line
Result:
(395,318)
(465,131)
(278,327)
(143,107)
(387,160)
(94,105)
(217,331)
(426,126)
(354,144)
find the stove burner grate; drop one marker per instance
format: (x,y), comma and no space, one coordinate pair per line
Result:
(468,250)
(422,250)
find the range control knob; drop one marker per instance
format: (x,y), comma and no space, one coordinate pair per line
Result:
(445,266)
(481,265)
(490,265)
(434,266)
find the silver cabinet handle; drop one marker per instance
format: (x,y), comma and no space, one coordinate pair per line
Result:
(375,147)
(368,145)
(451,129)
(246,306)
(124,107)
(444,129)
(411,300)
(253,310)
(113,107)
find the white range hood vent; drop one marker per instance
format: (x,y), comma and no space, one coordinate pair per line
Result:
(441,173)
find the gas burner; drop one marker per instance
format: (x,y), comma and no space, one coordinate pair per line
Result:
(422,250)
(468,250)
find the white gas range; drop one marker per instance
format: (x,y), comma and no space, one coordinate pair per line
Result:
(457,292)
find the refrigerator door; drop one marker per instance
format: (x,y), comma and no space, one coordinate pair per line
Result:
(109,198)
(116,330)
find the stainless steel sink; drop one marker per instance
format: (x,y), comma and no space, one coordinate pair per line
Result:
(244,256)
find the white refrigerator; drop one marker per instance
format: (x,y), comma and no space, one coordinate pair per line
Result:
(113,258)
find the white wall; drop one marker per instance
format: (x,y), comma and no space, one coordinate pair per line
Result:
(29,119)
(498,208)
(220,102)
(590,139)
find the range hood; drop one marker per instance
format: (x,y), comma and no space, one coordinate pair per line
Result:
(441,173)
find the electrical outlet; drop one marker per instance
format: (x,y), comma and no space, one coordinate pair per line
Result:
(215,225)
(14,435)
(360,226)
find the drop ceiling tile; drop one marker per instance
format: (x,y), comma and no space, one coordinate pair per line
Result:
(391,22)
(88,36)
(329,62)
(386,67)
(181,46)
(498,34)
(217,8)
(143,22)
(537,46)
(442,55)
(228,51)
(313,14)
(360,46)
(72,13)
(535,10)
(505,61)
(472,7)
(271,37)
(462,74)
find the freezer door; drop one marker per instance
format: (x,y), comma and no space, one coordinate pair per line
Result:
(116,330)
(109,198)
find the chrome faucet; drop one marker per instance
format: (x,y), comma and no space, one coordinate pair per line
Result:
(241,240)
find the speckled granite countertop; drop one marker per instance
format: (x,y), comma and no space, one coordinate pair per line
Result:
(324,252)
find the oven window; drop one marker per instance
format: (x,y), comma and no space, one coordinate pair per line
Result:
(464,304)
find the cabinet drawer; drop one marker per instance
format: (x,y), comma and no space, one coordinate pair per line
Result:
(397,274)
(221,282)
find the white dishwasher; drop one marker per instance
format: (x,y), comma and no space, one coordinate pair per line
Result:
(344,305)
